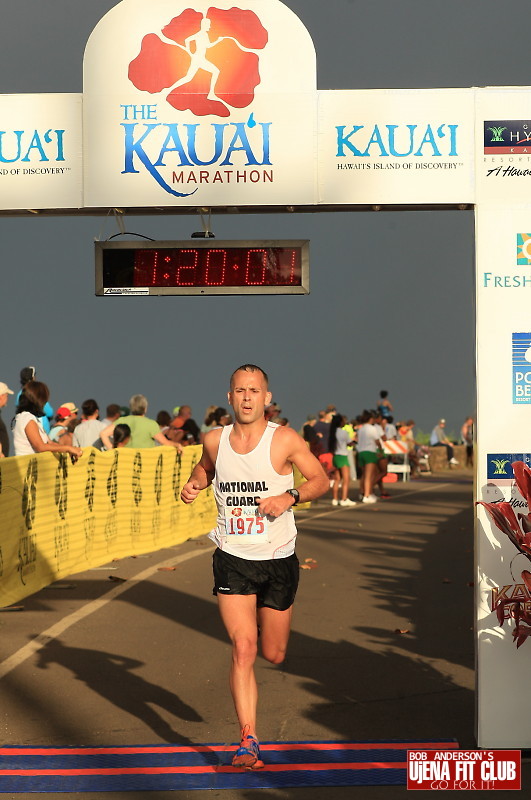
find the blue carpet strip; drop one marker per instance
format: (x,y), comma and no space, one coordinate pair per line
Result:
(181,767)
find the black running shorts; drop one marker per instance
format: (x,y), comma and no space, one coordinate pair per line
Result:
(273,582)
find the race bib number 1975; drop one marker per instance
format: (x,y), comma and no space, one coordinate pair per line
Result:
(246,523)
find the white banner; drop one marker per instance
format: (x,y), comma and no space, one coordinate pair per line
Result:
(504,397)
(396,146)
(40,151)
(388,147)
(193,104)
(256,160)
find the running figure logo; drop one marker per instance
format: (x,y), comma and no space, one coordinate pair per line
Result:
(209,63)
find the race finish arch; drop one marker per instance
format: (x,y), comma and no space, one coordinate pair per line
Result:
(192,105)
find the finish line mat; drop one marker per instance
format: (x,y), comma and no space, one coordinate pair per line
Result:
(180,767)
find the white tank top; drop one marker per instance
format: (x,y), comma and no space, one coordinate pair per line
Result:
(22,445)
(238,481)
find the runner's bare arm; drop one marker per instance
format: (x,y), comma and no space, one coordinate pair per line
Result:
(203,472)
(294,450)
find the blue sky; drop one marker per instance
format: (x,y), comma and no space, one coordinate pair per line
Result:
(392,301)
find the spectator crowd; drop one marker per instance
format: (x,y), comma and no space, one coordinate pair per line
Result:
(347,449)
(362,448)
(36,427)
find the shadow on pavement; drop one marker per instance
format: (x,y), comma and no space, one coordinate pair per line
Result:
(110,675)
(366,681)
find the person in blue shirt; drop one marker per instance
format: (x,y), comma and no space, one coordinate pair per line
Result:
(384,406)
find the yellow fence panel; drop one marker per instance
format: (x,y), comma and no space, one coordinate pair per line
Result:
(57,518)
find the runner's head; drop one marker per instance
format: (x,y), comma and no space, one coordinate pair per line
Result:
(249,368)
(249,393)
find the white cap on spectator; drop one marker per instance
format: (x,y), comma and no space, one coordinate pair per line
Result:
(4,388)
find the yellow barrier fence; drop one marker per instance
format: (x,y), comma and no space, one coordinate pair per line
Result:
(57,518)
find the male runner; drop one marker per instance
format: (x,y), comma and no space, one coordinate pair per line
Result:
(256,571)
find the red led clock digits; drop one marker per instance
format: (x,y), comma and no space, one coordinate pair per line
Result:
(184,267)
(290,265)
(221,276)
(248,268)
(218,267)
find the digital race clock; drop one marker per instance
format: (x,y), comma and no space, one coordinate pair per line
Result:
(201,267)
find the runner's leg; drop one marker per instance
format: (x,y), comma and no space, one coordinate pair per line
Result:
(238,613)
(274,633)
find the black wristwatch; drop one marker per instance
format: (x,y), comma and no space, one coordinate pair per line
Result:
(294,493)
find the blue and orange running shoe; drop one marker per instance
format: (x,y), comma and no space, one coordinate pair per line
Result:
(247,756)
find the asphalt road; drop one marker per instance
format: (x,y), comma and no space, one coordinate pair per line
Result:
(382,643)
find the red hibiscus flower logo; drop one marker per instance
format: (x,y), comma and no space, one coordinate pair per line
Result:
(208,62)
